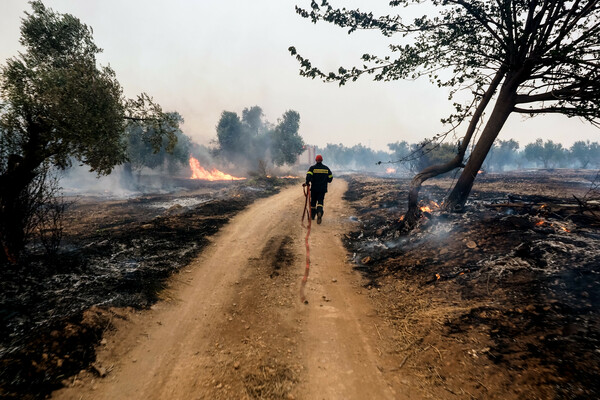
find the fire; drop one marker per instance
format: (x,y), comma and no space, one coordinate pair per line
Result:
(289,177)
(390,171)
(198,172)
(480,171)
(563,228)
(552,224)
(430,207)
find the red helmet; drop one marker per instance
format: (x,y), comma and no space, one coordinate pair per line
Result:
(319,158)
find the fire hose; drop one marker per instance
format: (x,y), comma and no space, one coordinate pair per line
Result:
(306,212)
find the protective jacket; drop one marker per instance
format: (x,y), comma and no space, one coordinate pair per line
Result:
(319,175)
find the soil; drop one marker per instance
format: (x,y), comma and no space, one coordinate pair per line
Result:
(499,302)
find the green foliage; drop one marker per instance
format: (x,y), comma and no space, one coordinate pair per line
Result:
(252,139)
(57,103)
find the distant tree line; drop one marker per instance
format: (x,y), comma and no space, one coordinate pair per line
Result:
(504,155)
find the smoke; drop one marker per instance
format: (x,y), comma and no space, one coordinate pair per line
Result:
(121,183)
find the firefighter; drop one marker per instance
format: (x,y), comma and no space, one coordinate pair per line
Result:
(317,177)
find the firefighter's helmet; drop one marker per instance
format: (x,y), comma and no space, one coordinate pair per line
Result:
(319,158)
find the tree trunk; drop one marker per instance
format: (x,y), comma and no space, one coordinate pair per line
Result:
(15,201)
(413,213)
(14,205)
(502,109)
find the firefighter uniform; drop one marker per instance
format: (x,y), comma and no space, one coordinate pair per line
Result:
(318,176)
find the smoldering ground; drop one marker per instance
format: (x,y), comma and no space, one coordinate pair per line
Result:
(498,302)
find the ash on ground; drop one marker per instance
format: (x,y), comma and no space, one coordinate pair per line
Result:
(499,302)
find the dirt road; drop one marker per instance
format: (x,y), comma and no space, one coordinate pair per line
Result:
(231,324)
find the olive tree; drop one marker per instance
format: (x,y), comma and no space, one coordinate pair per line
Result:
(511,56)
(57,105)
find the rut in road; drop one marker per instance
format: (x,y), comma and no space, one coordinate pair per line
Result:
(232,325)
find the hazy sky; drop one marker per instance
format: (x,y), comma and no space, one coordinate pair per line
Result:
(201,57)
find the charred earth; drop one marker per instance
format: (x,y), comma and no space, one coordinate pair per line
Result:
(499,302)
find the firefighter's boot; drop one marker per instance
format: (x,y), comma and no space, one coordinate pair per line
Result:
(319,216)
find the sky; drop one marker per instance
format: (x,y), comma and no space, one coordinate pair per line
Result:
(201,57)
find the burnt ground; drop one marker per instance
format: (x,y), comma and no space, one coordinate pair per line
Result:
(114,255)
(499,302)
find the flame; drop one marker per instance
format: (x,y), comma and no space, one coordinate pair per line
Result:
(390,170)
(438,276)
(289,177)
(553,224)
(198,172)
(401,218)
(430,207)
(563,228)
(480,171)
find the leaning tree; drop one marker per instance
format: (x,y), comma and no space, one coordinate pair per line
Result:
(58,106)
(524,56)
